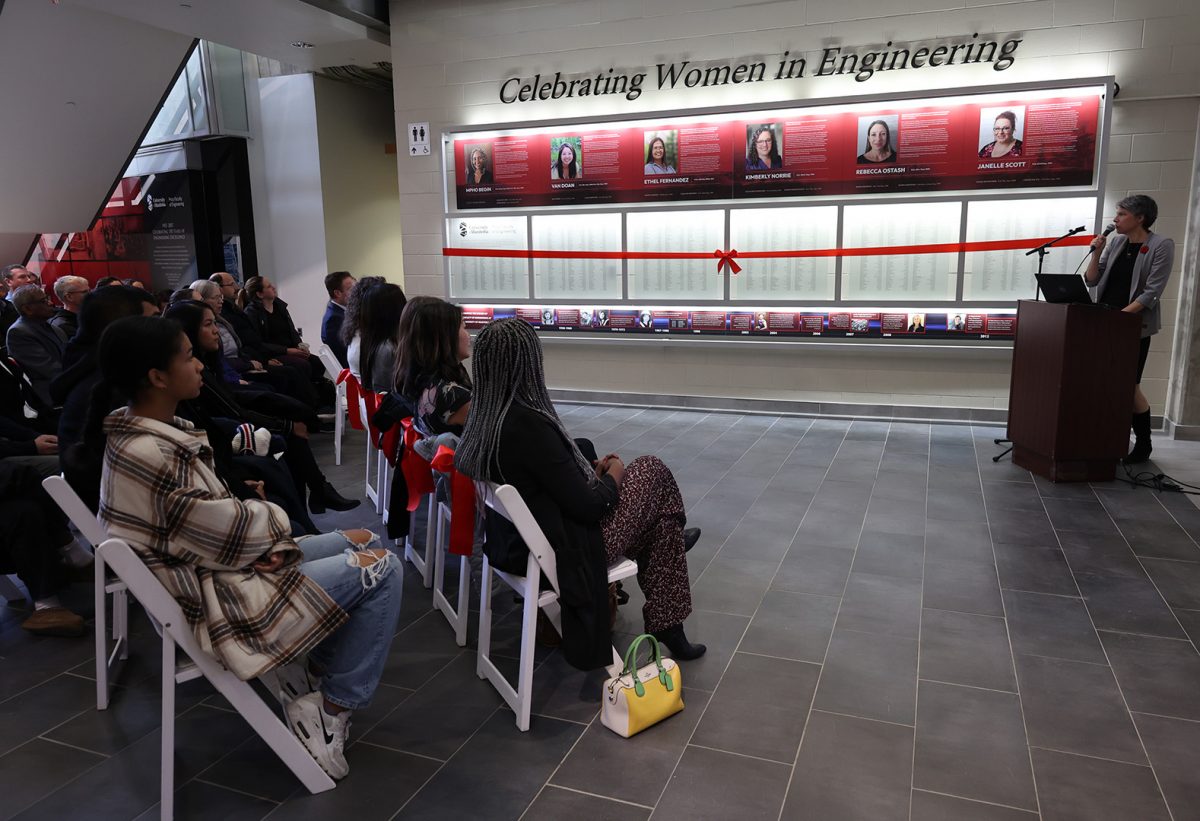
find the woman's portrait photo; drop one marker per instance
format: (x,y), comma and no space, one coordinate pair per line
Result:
(566,158)
(660,152)
(479,165)
(585,317)
(602,318)
(645,320)
(763,149)
(877,137)
(1000,132)
(916,323)
(547,316)
(956,323)
(760,321)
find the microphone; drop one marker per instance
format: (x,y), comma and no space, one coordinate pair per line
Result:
(1108,229)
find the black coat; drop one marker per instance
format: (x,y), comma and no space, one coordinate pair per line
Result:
(253,345)
(275,327)
(537,461)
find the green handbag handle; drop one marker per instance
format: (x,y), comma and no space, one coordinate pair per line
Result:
(631,664)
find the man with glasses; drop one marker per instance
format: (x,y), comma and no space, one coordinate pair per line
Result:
(70,291)
(32,341)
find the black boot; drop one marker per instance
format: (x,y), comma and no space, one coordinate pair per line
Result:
(690,537)
(1141,446)
(327,496)
(681,649)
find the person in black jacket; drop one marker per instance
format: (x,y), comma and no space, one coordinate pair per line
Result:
(592,514)
(337,285)
(218,402)
(275,325)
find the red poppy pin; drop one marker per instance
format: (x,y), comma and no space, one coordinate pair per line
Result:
(1145,250)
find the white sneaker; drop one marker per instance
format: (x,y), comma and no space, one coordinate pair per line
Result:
(289,682)
(323,735)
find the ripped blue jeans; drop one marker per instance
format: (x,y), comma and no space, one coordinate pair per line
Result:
(353,657)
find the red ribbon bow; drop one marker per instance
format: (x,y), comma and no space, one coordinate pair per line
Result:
(1145,249)
(418,475)
(462,503)
(725,259)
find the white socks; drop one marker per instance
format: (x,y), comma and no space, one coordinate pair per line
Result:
(76,555)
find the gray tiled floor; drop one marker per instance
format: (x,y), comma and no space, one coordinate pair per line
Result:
(897,628)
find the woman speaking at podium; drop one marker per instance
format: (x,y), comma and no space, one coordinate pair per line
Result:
(1131,275)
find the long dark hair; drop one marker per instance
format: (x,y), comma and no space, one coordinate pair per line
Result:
(129,349)
(428,345)
(105,306)
(190,316)
(571,170)
(352,322)
(379,318)
(887,130)
(775,155)
(507,366)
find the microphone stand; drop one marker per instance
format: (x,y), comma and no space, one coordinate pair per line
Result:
(1042,250)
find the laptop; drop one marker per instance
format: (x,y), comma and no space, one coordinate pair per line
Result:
(1064,288)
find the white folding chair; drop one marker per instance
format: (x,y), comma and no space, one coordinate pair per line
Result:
(176,632)
(423,561)
(93,533)
(375,456)
(506,501)
(457,614)
(333,369)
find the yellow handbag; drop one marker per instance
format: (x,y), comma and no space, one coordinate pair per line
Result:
(640,698)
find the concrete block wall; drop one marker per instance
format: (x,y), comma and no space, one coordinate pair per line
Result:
(450,58)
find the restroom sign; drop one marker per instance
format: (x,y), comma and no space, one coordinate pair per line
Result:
(418,139)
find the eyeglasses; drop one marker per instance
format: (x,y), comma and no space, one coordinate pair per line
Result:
(764,141)
(1002,128)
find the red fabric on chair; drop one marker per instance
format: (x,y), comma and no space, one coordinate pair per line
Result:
(462,503)
(418,475)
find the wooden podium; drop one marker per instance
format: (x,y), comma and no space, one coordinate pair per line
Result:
(1071,394)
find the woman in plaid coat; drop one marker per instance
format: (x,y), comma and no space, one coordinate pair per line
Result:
(257,600)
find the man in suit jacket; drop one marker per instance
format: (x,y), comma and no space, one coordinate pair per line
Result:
(338,285)
(12,277)
(32,341)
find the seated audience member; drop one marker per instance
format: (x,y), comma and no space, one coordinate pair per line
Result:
(255,599)
(253,470)
(351,324)
(337,285)
(104,282)
(191,294)
(73,387)
(378,327)
(33,527)
(163,298)
(430,376)
(70,291)
(593,514)
(22,445)
(253,347)
(33,342)
(134,282)
(12,277)
(275,325)
(216,400)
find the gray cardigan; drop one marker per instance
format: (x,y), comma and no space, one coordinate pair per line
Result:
(1151,270)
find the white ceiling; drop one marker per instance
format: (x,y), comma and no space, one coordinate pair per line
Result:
(264,27)
(80,79)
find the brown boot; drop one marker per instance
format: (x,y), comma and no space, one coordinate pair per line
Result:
(54,621)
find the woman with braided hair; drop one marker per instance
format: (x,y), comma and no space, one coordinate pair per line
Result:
(592,514)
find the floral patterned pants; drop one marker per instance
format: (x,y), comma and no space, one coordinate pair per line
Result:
(647,526)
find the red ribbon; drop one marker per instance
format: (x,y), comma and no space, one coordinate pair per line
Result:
(725,259)
(418,475)
(352,391)
(869,251)
(462,503)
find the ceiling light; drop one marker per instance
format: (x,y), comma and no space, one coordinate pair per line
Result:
(301,44)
